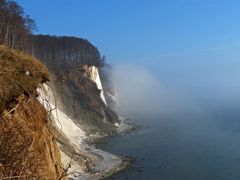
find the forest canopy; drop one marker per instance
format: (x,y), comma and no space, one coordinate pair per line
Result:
(63,50)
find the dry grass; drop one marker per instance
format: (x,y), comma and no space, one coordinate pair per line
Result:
(27,146)
(14,80)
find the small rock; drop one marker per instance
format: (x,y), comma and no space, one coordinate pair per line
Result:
(27,73)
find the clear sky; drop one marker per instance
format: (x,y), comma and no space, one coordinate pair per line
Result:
(197,40)
(142,30)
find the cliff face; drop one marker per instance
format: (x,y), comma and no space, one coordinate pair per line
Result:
(76,101)
(84,159)
(74,63)
(27,145)
(80,95)
(36,119)
(106,74)
(69,136)
(93,73)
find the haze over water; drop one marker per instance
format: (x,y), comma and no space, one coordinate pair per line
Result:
(190,117)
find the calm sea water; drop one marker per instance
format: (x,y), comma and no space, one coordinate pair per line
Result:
(187,146)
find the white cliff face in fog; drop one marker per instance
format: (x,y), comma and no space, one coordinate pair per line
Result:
(94,76)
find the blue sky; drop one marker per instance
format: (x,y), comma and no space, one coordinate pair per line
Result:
(142,30)
(193,42)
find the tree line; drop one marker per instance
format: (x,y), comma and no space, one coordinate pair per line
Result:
(16,32)
(15,25)
(56,51)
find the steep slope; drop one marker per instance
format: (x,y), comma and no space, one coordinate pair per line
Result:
(27,146)
(93,73)
(80,97)
(80,158)
(76,100)
(74,64)
(106,74)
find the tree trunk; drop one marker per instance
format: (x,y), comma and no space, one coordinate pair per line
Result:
(6,36)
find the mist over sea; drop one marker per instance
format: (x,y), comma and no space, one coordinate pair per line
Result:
(190,118)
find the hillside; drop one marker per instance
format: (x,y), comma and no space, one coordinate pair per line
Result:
(27,146)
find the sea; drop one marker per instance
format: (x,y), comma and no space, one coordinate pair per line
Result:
(184,148)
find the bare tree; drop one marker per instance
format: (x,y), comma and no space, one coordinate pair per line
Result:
(15,26)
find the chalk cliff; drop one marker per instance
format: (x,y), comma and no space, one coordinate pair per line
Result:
(47,116)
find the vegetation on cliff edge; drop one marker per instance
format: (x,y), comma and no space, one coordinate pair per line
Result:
(28,149)
(19,73)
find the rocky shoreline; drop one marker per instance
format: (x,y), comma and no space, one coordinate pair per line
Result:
(126,162)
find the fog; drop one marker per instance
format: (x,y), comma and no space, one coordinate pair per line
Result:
(189,112)
(173,89)
(139,92)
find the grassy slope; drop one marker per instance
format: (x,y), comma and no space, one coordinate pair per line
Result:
(13,78)
(27,146)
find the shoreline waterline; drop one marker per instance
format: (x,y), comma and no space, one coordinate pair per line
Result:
(109,164)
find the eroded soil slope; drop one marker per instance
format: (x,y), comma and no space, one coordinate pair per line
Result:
(27,146)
